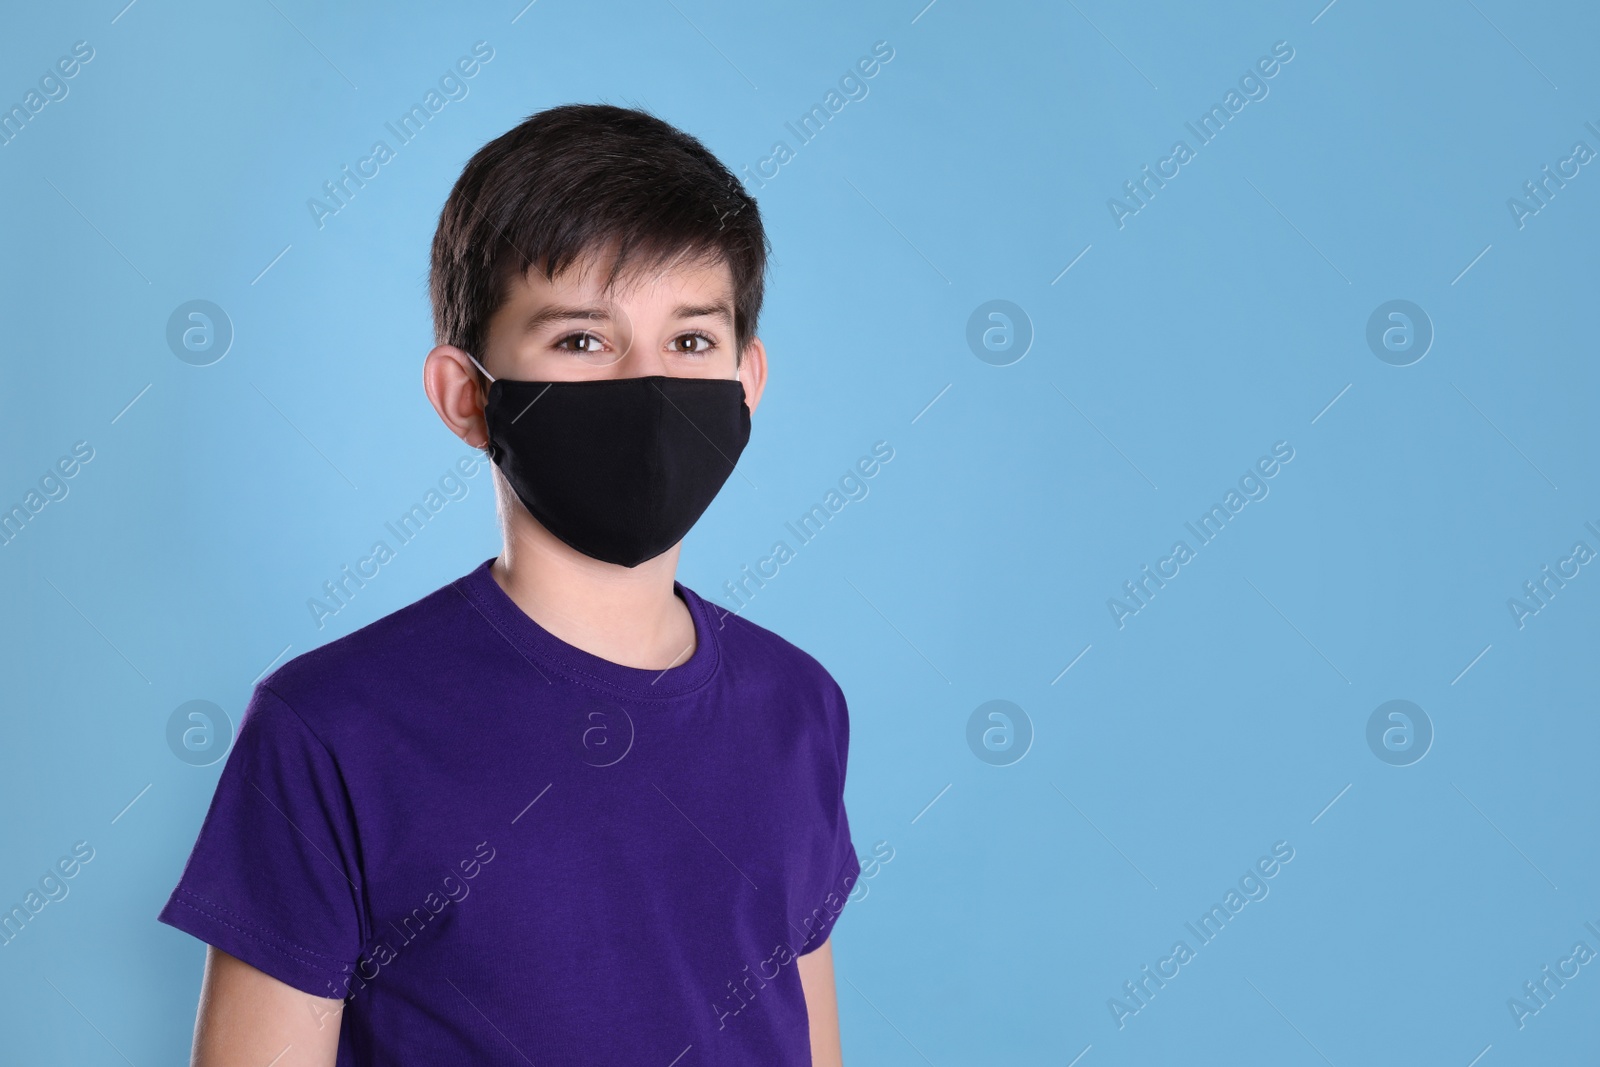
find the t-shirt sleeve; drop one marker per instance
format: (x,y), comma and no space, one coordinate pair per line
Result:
(839,861)
(274,877)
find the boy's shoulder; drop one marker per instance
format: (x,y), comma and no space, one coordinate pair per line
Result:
(384,656)
(419,648)
(750,647)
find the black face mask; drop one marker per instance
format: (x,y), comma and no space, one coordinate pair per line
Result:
(618,468)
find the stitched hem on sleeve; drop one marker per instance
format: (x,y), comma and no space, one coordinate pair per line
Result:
(305,969)
(819,924)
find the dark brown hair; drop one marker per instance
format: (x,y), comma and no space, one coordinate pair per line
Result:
(580,179)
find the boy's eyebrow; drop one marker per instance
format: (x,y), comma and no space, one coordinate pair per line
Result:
(562,312)
(718,310)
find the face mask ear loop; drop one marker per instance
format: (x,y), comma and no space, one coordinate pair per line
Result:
(488,448)
(480,366)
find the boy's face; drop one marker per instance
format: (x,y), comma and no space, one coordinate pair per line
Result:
(675,321)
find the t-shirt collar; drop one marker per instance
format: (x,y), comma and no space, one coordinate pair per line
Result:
(550,652)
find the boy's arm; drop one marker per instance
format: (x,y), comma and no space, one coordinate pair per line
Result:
(248,1017)
(822,1006)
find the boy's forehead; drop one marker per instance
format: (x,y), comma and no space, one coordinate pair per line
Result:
(584,280)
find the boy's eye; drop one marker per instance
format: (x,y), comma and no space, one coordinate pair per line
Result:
(693,344)
(585,343)
(589,347)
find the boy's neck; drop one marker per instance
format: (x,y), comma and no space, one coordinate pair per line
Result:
(627,615)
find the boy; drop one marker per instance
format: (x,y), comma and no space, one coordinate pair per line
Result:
(561,810)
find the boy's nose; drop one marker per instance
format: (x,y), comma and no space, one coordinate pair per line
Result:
(639,361)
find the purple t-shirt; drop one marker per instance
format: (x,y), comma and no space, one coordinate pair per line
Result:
(504,850)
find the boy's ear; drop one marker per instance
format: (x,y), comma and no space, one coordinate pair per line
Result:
(753,372)
(451,382)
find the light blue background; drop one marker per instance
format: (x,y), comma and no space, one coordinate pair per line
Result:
(1223,317)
